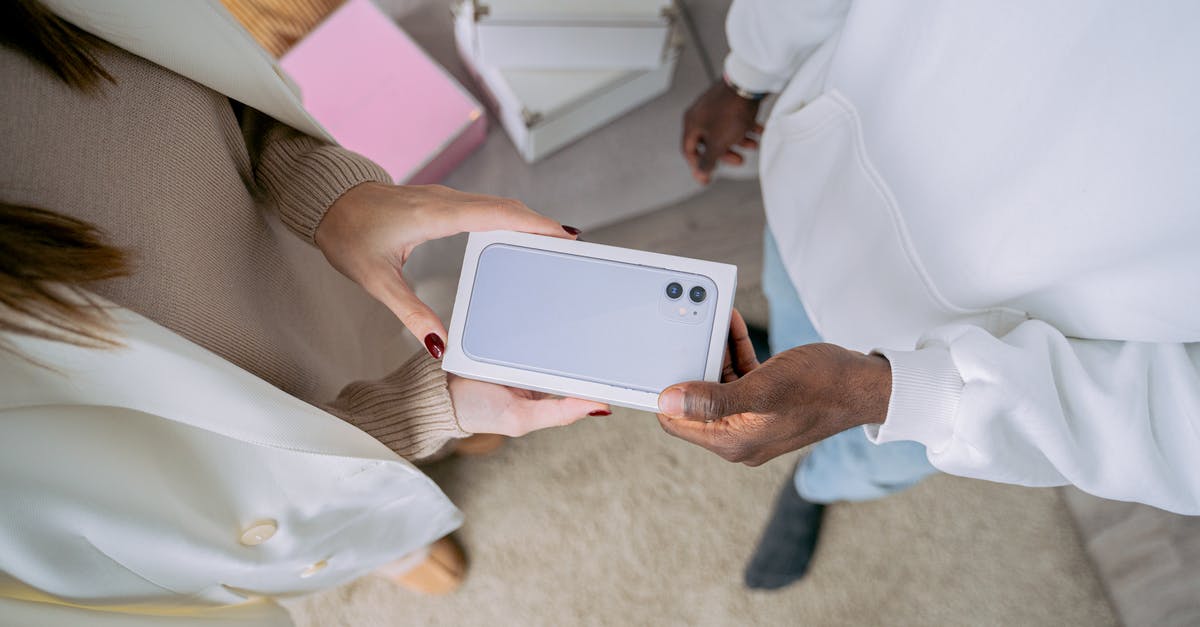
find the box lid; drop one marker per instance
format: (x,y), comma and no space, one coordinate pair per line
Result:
(545,94)
(376,90)
(573,11)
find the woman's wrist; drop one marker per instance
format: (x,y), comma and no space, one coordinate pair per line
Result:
(338,219)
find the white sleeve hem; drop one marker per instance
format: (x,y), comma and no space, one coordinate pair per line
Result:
(926,387)
(751,78)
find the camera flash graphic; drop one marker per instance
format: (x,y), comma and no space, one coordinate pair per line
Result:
(683,311)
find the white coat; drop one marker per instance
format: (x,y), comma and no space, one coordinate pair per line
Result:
(201,40)
(1001,197)
(136,484)
(159,478)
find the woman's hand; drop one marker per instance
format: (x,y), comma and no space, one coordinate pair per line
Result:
(794,399)
(489,408)
(370,231)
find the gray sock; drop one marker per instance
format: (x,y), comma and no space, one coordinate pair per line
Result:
(788,542)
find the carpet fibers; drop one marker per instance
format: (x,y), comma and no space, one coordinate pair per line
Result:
(611,522)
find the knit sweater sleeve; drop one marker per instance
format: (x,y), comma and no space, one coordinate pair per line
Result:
(298,175)
(409,410)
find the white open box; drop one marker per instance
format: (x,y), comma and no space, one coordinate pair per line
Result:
(545,110)
(723,279)
(571,34)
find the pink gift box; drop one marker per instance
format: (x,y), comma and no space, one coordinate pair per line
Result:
(377,92)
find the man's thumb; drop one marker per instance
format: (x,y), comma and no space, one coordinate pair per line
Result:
(699,400)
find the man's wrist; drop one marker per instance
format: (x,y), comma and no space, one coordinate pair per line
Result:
(876,390)
(863,391)
(749,77)
(746,94)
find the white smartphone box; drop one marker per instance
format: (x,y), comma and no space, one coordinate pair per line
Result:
(571,34)
(587,320)
(545,110)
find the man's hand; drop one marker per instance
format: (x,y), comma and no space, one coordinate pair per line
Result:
(796,398)
(718,121)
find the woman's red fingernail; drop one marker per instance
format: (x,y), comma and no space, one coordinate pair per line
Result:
(572,230)
(435,346)
(600,412)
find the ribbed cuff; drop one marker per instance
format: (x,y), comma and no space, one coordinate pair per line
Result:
(409,410)
(305,176)
(925,390)
(751,78)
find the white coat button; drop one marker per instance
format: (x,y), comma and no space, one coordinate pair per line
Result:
(313,569)
(259,532)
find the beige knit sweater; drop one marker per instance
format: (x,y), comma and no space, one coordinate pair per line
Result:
(195,185)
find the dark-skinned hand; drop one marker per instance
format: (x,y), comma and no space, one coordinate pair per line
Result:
(794,399)
(718,121)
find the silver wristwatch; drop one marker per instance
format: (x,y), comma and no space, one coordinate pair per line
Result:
(744,93)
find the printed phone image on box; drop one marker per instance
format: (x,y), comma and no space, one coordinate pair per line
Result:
(587,320)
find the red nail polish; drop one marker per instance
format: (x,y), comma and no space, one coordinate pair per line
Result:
(600,412)
(572,230)
(435,346)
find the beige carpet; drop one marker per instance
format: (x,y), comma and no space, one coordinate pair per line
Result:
(610,522)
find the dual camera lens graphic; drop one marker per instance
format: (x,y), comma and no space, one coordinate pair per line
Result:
(697,294)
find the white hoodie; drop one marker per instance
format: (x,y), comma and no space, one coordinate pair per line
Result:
(1003,199)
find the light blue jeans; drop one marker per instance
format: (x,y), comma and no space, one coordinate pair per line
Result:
(847,466)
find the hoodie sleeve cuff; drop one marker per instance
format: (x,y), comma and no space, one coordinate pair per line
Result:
(926,387)
(751,78)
